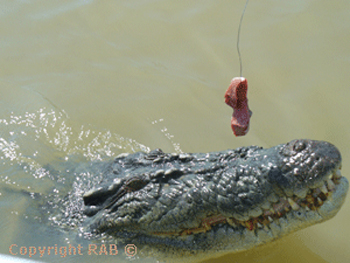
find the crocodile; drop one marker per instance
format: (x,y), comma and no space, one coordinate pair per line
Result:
(208,204)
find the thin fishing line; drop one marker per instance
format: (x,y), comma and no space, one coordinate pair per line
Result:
(239,31)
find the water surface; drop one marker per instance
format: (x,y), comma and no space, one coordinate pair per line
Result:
(91,79)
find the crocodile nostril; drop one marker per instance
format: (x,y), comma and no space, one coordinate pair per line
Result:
(299,146)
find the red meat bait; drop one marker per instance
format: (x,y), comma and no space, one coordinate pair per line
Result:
(236,97)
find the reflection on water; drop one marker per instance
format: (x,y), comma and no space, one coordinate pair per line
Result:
(51,128)
(38,150)
(86,80)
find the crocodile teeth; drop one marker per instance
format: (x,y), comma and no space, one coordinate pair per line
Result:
(331,185)
(337,174)
(230,222)
(323,189)
(293,204)
(255,212)
(301,193)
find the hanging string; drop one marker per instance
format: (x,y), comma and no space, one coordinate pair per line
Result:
(239,31)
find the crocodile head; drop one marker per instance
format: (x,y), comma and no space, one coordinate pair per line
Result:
(220,202)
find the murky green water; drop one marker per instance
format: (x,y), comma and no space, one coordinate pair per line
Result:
(86,80)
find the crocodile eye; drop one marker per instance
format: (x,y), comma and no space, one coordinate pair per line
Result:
(299,146)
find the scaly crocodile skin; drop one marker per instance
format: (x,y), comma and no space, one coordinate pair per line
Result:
(209,204)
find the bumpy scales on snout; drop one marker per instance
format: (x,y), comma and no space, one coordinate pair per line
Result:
(214,203)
